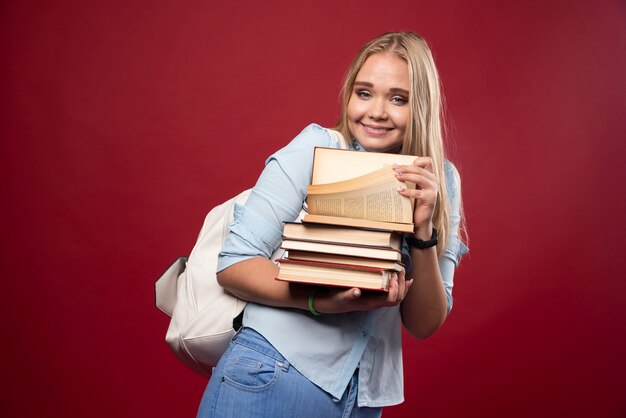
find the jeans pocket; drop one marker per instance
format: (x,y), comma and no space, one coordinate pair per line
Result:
(249,369)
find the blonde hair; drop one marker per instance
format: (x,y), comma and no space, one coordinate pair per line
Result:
(423,136)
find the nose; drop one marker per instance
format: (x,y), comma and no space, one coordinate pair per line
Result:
(377,109)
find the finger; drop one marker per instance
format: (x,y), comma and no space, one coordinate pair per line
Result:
(338,300)
(414,174)
(408,287)
(352,294)
(401,287)
(425,196)
(420,181)
(407,282)
(424,162)
(394,290)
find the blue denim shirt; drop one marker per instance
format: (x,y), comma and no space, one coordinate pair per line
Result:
(326,349)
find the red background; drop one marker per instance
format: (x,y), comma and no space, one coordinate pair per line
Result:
(122,123)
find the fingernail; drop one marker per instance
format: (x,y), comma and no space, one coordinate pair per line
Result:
(396,166)
(357,293)
(401,189)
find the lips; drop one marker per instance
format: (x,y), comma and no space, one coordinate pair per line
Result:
(375,129)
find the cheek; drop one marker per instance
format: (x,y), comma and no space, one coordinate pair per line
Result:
(354,110)
(401,117)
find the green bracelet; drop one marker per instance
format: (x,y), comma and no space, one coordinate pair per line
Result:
(311,308)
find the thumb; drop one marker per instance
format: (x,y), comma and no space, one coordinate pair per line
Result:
(353,293)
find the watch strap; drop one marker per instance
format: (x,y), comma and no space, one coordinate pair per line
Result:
(420,244)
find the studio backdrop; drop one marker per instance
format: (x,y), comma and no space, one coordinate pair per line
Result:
(122,123)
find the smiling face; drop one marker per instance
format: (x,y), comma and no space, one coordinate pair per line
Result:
(378,110)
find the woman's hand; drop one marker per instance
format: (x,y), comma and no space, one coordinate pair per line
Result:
(425,193)
(336,300)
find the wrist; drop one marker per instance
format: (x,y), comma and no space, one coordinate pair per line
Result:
(417,242)
(311,303)
(423,232)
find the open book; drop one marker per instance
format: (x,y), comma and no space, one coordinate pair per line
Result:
(331,165)
(358,189)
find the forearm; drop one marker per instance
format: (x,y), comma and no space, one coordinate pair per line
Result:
(424,308)
(253,280)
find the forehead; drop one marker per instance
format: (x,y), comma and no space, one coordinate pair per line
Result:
(384,69)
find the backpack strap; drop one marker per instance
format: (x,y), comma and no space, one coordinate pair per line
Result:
(202,312)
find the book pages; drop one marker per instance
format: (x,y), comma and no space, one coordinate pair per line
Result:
(373,196)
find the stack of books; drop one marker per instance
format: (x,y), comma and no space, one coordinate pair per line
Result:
(340,256)
(351,234)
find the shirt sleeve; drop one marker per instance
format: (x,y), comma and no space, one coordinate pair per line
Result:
(455,248)
(276,198)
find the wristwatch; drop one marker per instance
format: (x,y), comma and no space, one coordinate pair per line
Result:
(421,244)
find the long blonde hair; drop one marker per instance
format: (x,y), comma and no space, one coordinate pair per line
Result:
(423,136)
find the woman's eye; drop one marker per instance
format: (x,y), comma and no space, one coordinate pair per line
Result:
(363,94)
(399,100)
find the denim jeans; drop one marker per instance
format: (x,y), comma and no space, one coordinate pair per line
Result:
(252,379)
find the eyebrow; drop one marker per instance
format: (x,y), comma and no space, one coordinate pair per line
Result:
(370,85)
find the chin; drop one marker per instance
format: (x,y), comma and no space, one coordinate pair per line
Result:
(380,146)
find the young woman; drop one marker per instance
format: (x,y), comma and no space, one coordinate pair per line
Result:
(342,358)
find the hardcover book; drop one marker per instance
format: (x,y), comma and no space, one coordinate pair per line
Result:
(341,235)
(334,275)
(340,249)
(345,259)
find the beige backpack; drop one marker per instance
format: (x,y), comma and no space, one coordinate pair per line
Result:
(202,311)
